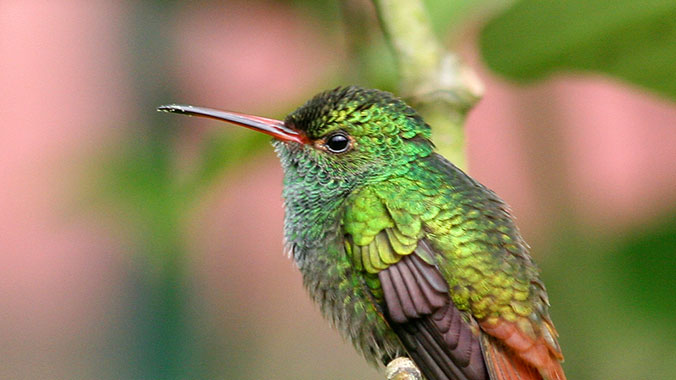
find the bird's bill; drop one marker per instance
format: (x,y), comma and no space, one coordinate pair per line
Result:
(272,127)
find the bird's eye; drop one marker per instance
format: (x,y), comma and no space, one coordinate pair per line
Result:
(338,143)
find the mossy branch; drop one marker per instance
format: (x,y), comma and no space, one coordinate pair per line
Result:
(432,78)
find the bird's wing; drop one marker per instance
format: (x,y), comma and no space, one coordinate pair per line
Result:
(441,339)
(445,342)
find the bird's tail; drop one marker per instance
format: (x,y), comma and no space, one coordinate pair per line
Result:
(505,364)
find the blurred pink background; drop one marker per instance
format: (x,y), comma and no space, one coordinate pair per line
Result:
(604,147)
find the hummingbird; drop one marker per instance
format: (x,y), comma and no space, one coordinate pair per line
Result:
(405,254)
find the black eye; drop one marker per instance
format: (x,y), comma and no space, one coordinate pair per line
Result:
(338,143)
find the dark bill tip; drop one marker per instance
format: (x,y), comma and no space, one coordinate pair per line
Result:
(272,127)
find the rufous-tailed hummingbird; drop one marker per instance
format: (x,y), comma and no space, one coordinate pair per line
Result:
(405,253)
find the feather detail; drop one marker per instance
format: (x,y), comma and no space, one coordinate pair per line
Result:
(504,365)
(442,340)
(405,253)
(510,345)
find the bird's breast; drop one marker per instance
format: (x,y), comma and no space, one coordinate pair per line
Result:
(343,299)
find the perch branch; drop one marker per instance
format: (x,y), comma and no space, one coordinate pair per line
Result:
(402,369)
(433,79)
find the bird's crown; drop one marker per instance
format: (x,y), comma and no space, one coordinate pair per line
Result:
(365,111)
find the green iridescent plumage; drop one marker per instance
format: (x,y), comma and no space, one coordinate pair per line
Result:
(350,216)
(405,254)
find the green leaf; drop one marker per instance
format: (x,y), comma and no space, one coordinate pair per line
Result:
(632,40)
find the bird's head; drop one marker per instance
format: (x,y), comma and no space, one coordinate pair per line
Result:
(340,138)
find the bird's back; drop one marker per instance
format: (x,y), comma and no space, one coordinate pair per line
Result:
(433,214)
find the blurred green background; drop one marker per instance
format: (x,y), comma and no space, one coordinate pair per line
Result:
(137,245)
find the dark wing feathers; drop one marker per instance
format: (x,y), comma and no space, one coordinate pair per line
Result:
(421,305)
(435,295)
(437,336)
(429,272)
(394,304)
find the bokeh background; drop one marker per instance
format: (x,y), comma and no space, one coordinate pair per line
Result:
(138,245)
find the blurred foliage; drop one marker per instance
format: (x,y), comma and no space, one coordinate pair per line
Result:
(144,182)
(612,298)
(444,14)
(645,264)
(447,16)
(632,40)
(372,62)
